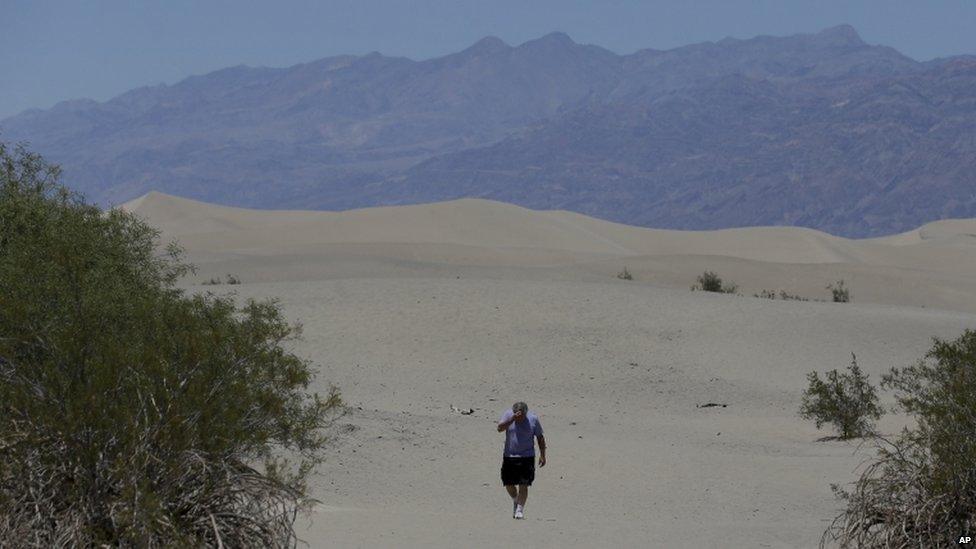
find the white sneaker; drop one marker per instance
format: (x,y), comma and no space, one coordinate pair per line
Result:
(518,512)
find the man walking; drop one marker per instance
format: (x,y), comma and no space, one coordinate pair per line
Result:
(521,428)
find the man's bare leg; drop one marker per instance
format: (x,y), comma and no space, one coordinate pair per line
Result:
(523,493)
(513,492)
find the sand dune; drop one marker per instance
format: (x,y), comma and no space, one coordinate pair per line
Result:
(938,259)
(474,304)
(955,231)
(486,223)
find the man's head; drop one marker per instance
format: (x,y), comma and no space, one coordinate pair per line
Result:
(520,407)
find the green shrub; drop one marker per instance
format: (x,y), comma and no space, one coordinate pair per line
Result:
(848,401)
(131,414)
(711,282)
(839,292)
(625,275)
(920,491)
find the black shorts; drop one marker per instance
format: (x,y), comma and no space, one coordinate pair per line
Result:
(518,470)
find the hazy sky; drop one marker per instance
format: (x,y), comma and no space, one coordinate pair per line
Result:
(51,51)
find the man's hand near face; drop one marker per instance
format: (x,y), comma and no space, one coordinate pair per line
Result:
(516,416)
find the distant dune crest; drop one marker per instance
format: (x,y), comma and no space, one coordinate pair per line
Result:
(491,224)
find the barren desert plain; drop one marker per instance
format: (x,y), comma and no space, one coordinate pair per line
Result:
(417,312)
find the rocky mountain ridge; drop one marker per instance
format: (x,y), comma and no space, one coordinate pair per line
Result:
(818,130)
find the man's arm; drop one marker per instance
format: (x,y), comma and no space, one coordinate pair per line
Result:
(504,423)
(542,450)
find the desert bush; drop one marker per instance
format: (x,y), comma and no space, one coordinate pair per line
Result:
(711,282)
(625,275)
(846,400)
(920,491)
(786,296)
(839,292)
(132,415)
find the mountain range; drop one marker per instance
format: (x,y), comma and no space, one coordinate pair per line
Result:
(819,130)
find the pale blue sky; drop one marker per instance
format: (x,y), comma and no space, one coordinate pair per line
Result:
(56,50)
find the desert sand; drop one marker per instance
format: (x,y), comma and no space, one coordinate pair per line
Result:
(416,310)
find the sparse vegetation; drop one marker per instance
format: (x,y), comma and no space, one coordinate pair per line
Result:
(839,292)
(625,275)
(711,282)
(132,415)
(920,491)
(783,294)
(216,281)
(846,400)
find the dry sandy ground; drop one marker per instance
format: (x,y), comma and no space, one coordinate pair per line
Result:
(474,304)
